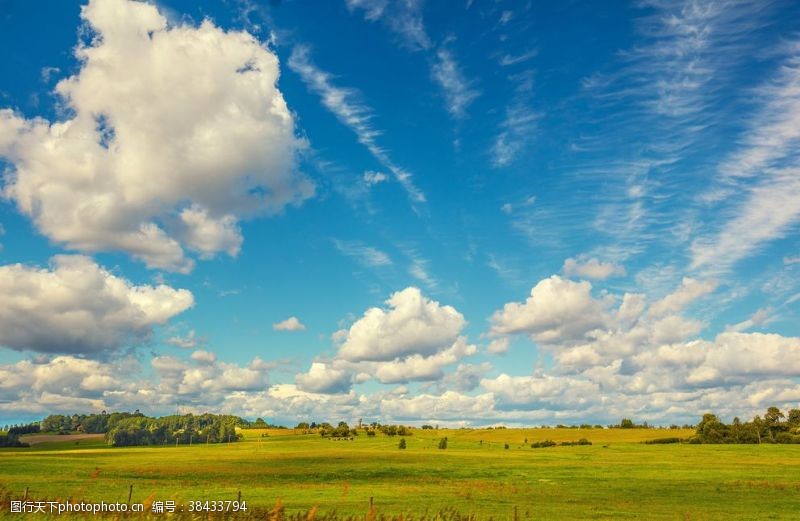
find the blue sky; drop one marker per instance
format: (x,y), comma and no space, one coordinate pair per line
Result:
(463,212)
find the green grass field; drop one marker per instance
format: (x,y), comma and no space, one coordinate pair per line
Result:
(615,478)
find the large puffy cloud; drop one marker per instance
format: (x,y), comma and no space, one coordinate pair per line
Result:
(174,133)
(450,405)
(62,375)
(67,384)
(639,356)
(206,376)
(754,371)
(289,401)
(322,378)
(63,384)
(422,368)
(412,325)
(76,306)
(582,331)
(742,357)
(558,310)
(542,392)
(412,339)
(647,365)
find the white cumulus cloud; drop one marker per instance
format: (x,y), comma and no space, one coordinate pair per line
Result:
(412,324)
(323,378)
(558,310)
(290,324)
(76,306)
(173,134)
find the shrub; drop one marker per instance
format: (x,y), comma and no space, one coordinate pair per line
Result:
(659,441)
(11,440)
(443,443)
(543,444)
(582,441)
(402,444)
(506,446)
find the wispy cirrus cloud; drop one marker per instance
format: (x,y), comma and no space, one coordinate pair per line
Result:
(404,19)
(459,92)
(512,59)
(349,108)
(367,256)
(765,168)
(504,269)
(517,129)
(677,82)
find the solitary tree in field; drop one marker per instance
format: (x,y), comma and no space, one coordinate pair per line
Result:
(402,444)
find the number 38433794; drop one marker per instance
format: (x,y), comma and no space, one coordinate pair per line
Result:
(217,506)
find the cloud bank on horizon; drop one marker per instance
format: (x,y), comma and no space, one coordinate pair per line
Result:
(466,214)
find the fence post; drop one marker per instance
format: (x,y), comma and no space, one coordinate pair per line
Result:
(370,503)
(130,493)
(25,497)
(516,518)
(239,497)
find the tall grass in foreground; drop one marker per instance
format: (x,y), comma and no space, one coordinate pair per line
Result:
(276,513)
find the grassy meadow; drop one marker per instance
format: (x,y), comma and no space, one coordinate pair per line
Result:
(617,477)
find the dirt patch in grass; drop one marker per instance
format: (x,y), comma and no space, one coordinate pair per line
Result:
(51,438)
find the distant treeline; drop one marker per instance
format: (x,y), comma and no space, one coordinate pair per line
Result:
(11,433)
(259,424)
(343,430)
(185,429)
(126,428)
(88,423)
(773,427)
(18,430)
